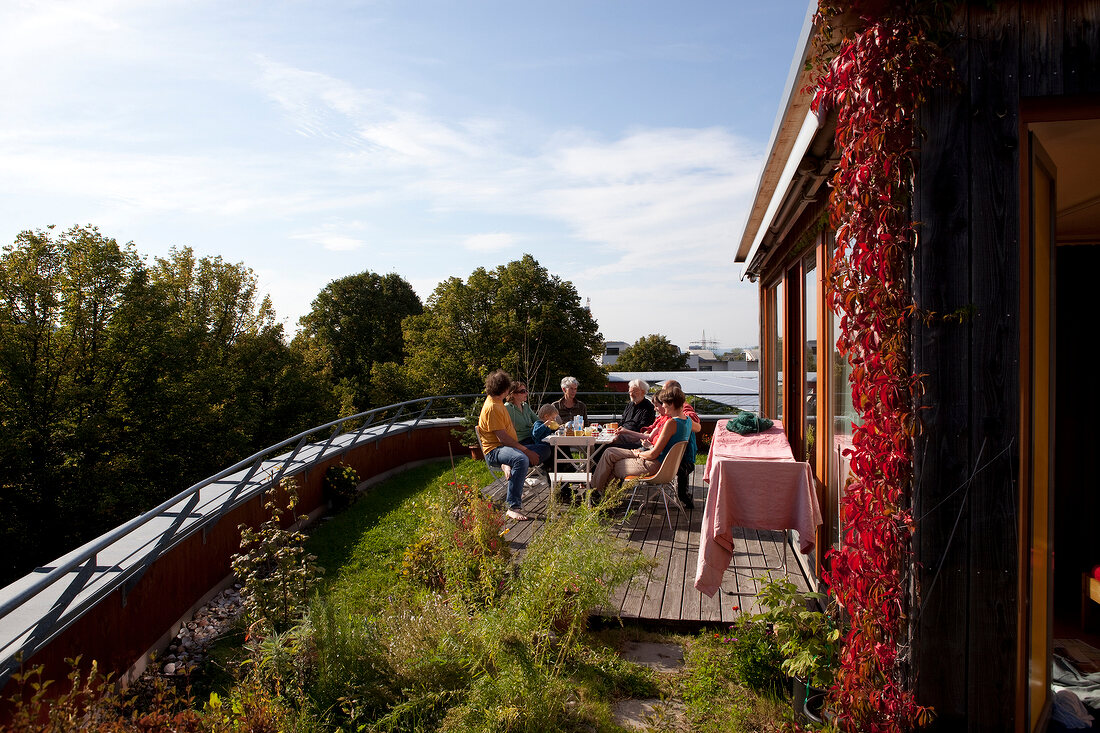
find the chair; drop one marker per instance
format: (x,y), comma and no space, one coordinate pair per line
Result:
(497,472)
(534,472)
(664,480)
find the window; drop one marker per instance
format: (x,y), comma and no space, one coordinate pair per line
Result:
(772,402)
(843,417)
(809,357)
(612,351)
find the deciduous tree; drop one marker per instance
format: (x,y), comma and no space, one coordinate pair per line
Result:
(517,317)
(355,323)
(122,383)
(653,353)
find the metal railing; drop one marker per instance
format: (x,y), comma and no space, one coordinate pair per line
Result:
(37,608)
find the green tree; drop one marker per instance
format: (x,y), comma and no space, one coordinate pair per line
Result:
(653,353)
(59,295)
(354,324)
(122,383)
(517,317)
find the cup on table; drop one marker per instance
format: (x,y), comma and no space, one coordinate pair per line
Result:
(613,426)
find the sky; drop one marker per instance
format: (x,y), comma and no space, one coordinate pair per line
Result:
(618,142)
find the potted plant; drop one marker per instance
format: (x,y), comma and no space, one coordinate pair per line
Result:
(466,432)
(807,630)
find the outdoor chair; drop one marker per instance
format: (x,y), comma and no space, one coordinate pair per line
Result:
(664,480)
(538,473)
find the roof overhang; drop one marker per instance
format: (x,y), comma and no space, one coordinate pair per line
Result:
(796,129)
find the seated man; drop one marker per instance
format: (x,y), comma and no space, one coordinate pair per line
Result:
(623,462)
(637,414)
(687,465)
(499,442)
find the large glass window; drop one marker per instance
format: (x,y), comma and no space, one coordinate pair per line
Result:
(775,382)
(844,418)
(809,358)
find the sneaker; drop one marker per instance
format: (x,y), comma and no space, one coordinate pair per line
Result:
(687,501)
(531,482)
(513,514)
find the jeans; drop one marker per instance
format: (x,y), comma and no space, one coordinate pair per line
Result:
(543,449)
(505,455)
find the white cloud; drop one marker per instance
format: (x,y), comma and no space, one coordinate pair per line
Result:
(489,242)
(339,153)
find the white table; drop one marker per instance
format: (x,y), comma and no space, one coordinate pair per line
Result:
(579,469)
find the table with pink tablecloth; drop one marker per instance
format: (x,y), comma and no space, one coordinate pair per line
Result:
(754,483)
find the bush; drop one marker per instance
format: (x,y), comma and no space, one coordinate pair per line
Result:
(340,486)
(808,638)
(717,700)
(755,655)
(275,571)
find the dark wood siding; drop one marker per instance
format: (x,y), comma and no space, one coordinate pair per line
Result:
(968,264)
(941,351)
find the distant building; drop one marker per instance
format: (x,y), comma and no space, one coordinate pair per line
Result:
(705,360)
(611,351)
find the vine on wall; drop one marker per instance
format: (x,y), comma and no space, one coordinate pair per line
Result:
(875,68)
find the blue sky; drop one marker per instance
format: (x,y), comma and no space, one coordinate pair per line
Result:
(618,142)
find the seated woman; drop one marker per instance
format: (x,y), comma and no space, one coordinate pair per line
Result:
(569,406)
(523,419)
(623,462)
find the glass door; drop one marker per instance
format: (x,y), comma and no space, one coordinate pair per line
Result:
(1037,514)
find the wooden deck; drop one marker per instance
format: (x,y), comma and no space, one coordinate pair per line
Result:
(668,595)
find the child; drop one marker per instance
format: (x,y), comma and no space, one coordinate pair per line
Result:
(547,416)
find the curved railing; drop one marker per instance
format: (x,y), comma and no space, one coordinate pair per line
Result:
(39,607)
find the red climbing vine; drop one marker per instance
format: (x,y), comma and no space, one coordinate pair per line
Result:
(875,68)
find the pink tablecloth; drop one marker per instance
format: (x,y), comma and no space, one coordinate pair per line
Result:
(755,483)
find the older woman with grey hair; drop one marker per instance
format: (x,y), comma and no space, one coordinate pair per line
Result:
(569,406)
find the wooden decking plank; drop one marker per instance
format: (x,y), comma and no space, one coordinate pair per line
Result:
(691,602)
(646,531)
(692,599)
(672,605)
(631,532)
(668,593)
(659,580)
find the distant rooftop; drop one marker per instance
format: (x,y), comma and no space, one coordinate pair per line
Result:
(737,389)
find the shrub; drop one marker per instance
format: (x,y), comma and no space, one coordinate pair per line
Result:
(92,702)
(423,562)
(475,557)
(275,571)
(755,656)
(808,638)
(340,485)
(466,432)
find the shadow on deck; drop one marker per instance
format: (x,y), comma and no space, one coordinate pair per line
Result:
(668,596)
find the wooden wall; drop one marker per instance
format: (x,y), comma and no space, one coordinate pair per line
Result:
(968,263)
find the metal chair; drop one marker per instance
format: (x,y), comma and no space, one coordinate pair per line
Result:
(664,480)
(534,472)
(497,472)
